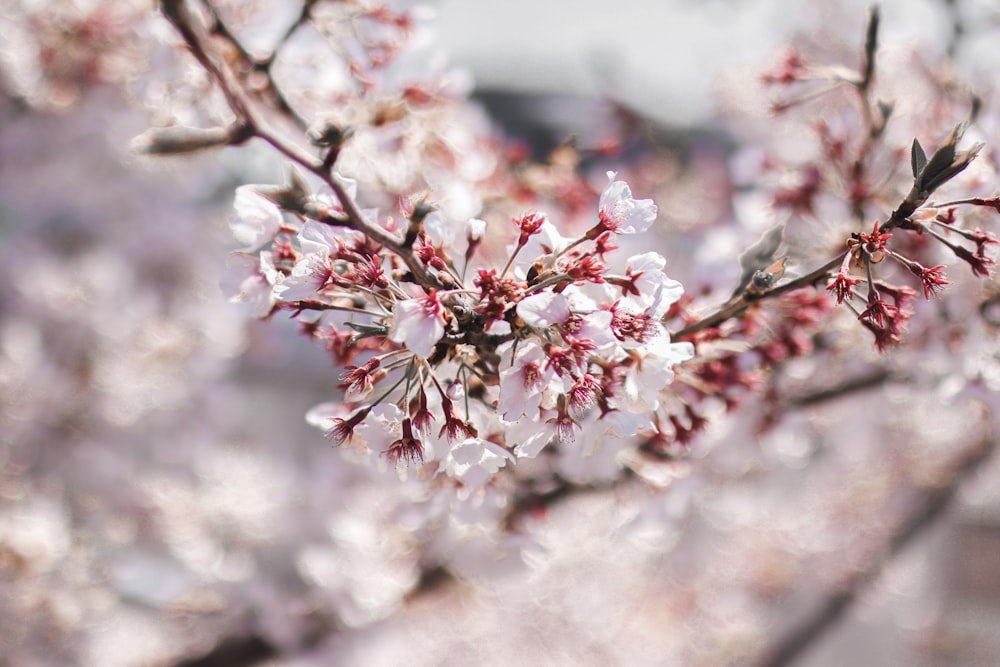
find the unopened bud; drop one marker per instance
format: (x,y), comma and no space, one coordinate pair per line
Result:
(179,140)
(420,211)
(475,229)
(455,391)
(925,214)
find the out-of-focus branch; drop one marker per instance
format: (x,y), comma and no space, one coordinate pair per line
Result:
(253,650)
(875,378)
(825,616)
(254,125)
(273,94)
(739,304)
(957,27)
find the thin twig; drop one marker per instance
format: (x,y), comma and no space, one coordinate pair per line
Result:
(736,307)
(242,106)
(262,65)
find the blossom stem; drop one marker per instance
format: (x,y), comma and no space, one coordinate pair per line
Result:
(548,282)
(510,261)
(941,238)
(736,307)
(465,389)
(391,389)
(571,246)
(964,233)
(317,305)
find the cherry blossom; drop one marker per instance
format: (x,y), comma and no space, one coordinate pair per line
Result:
(474,461)
(498,397)
(418,324)
(256,219)
(646,284)
(620,213)
(523,384)
(251,280)
(655,370)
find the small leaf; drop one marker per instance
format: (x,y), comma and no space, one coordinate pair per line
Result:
(368,329)
(946,162)
(292,196)
(917,158)
(759,255)
(942,159)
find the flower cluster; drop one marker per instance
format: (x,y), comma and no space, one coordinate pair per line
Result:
(466,368)
(851,174)
(451,349)
(866,250)
(462,348)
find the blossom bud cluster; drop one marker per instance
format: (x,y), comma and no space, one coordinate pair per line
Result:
(458,368)
(851,174)
(887,305)
(458,359)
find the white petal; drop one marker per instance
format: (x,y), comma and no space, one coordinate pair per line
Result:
(256,219)
(543,309)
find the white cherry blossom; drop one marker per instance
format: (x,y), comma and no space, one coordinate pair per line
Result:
(250,280)
(474,461)
(522,385)
(546,309)
(620,212)
(645,381)
(255,219)
(418,324)
(652,283)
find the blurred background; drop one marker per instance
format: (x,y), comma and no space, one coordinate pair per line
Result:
(162,501)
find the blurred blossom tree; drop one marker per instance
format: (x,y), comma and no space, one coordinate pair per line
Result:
(699,471)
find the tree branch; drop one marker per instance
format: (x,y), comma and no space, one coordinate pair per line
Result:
(242,106)
(825,616)
(736,307)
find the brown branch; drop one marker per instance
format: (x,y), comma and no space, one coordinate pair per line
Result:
(176,14)
(354,220)
(825,616)
(242,106)
(274,96)
(736,307)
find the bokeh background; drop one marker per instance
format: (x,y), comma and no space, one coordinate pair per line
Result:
(162,501)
